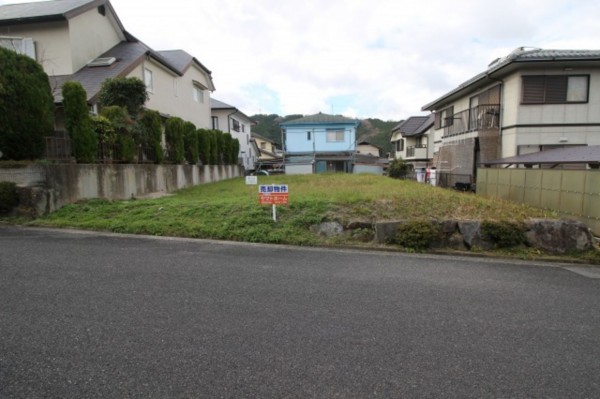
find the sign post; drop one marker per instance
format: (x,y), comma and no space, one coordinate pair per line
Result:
(274,194)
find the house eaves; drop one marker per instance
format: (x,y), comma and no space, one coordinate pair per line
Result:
(568,155)
(521,58)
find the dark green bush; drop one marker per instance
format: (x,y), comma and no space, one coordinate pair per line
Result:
(78,122)
(503,234)
(190,142)
(398,169)
(416,235)
(174,128)
(125,92)
(123,125)
(26,107)
(151,124)
(214,147)
(204,145)
(235,150)
(9,198)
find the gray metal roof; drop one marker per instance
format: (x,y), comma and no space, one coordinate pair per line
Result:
(216,104)
(415,125)
(128,56)
(521,55)
(182,60)
(57,9)
(567,155)
(321,119)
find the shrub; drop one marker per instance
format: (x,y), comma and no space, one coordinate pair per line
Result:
(190,142)
(214,147)
(503,234)
(398,169)
(125,92)
(227,146)
(122,123)
(204,145)
(9,197)
(220,146)
(235,150)
(78,122)
(27,107)
(151,127)
(416,235)
(174,137)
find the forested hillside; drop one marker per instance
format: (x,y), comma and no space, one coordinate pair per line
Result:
(374,131)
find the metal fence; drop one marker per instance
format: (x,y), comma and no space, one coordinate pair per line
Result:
(459,182)
(58,149)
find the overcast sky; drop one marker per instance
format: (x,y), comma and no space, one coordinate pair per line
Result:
(360,58)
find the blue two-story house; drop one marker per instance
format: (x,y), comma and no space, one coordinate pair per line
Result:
(319,143)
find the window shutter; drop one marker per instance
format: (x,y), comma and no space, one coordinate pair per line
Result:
(438,120)
(533,89)
(556,89)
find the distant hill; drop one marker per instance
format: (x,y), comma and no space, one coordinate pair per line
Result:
(374,131)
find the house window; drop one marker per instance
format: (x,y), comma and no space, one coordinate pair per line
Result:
(400,145)
(263,146)
(243,128)
(148,80)
(198,94)
(215,122)
(308,136)
(176,87)
(236,125)
(335,136)
(444,118)
(555,89)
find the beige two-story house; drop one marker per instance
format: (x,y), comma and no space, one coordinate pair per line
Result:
(84,41)
(529,101)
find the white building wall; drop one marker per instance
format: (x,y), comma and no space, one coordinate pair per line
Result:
(91,34)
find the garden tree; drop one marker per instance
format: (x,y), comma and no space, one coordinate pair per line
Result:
(151,133)
(190,142)
(174,128)
(125,92)
(227,139)
(26,107)
(123,125)
(204,145)
(78,122)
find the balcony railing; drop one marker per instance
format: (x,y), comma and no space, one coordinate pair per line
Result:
(481,117)
(416,151)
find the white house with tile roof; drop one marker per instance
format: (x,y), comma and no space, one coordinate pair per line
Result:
(229,119)
(529,101)
(414,142)
(84,41)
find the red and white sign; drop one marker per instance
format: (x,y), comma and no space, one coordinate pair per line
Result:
(275,194)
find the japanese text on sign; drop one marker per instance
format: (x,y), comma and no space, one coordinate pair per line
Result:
(273,189)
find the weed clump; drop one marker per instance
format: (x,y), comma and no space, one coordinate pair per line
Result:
(416,235)
(503,234)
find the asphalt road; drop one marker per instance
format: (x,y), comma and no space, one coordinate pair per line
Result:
(86,315)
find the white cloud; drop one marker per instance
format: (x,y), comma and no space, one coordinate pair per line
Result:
(381,58)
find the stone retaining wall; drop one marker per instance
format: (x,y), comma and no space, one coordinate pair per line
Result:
(46,188)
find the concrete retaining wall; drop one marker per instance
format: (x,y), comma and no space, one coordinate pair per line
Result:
(46,188)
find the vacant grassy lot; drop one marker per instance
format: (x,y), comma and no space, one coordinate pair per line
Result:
(230,210)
